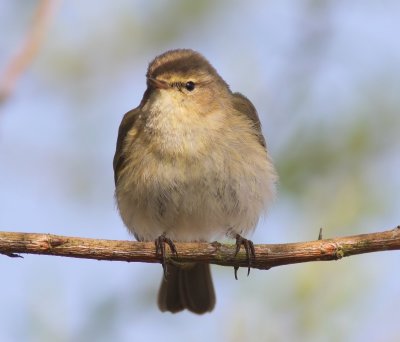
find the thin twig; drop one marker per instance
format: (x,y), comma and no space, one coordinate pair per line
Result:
(20,62)
(267,255)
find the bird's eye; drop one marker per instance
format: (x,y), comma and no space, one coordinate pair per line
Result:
(190,85)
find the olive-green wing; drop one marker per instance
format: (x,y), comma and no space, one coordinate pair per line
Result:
(243,105)
(126,124)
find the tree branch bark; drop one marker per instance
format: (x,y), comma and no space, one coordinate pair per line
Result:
(267,255)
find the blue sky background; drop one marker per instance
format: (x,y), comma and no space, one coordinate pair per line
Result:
(325,78)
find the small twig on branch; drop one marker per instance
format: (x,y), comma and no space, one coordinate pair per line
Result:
(320,234)
(267,255)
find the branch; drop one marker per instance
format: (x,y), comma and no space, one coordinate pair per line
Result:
(267,255)
(20,62)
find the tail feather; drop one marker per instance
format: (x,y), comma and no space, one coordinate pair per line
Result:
(187,288)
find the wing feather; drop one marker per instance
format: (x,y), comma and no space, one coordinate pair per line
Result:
(126,125)
(243,105)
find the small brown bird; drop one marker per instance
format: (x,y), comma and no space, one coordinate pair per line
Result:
(191,165)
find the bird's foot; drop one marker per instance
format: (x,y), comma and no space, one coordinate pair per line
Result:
(160,243)
(250,252)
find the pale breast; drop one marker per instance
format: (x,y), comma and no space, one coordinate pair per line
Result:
(195,183)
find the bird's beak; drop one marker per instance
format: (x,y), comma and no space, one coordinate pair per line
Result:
(157,83)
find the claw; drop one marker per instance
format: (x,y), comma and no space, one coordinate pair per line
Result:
(160,243)
(235,270)
(250,252)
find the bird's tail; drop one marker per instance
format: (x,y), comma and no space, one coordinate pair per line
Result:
(187,287)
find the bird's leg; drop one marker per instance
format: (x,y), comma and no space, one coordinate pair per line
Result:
(250,252)
(160,243)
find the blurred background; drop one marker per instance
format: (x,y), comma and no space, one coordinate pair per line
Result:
(325,78)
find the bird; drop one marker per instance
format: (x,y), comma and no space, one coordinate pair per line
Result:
(191,165)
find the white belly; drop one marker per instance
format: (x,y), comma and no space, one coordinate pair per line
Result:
(200,199)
